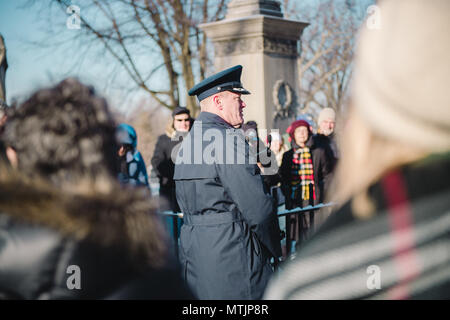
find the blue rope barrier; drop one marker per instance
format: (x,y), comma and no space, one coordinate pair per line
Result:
(279,213)
(307,208)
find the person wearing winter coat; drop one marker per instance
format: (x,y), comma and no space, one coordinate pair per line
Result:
(230,229)
(304,172)
(278,147)
(162,159)
(326,130)
(68,229)
(132,166)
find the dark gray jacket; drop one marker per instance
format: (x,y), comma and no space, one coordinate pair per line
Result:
(164,168)
(94,245)
(230,227)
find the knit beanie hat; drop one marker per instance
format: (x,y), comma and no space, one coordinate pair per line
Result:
(295,125)
(325,114)
(402,73)
(180,110)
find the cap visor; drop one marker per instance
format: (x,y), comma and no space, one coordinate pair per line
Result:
(240,91)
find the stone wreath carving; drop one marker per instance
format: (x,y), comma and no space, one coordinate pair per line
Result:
(281,110)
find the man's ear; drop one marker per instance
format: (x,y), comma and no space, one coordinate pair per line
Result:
(217,99)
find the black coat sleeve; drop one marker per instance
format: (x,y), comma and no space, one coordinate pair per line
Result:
(285,167)
(328,165)
(161,158)
(285,176)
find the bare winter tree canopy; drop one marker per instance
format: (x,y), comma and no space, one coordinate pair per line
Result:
(325,63)
(158,47)
(156,43)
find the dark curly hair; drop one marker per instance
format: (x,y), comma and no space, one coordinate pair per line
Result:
(63,133)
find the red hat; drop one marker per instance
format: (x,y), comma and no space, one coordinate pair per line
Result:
(295,125)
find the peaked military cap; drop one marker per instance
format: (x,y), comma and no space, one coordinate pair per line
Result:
(226,80)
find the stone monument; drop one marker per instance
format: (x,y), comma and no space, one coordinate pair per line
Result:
(255,35)
(3,67)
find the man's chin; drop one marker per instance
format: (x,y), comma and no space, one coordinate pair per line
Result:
(238,125)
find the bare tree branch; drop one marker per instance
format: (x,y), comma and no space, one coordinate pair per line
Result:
(128,30)
(325,64)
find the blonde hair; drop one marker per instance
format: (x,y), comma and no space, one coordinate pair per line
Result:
(170,129)
(365,157)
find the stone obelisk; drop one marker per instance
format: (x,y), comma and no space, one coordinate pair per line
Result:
(255,35)
(3,67)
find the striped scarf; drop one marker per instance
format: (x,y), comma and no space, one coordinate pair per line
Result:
(302,173)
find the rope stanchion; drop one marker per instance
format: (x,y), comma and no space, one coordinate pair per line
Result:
(171,213)
(306,209)
(280,214)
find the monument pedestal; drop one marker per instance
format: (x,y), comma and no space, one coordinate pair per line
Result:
(3,67)
(255,35)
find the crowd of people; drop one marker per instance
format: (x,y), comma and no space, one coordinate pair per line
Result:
(78,221)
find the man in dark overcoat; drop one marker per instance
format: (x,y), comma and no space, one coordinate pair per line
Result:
(230,229)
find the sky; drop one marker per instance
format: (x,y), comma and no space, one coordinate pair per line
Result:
(26,28)
(27,70)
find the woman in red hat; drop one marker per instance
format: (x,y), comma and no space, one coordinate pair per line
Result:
(305,171)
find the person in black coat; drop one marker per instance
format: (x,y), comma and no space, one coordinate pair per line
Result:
(68,229)
(162,159)
(230,229)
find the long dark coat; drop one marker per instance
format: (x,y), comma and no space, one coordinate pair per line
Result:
(230,227)
(164,168)
(49,237)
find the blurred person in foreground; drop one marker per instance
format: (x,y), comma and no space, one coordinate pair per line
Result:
(132,166)
(390,239)
(68,229)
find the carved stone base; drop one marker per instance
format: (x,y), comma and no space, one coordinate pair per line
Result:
(255,35)
(284,47)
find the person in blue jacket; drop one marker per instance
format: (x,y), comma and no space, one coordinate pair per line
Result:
(132,165)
